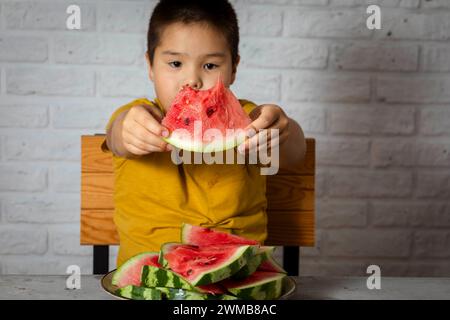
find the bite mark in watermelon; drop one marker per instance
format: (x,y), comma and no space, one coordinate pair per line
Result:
(201,236)
(206,120)
(129,273)
(205,265)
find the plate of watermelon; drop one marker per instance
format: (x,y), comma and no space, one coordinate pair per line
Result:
(206,265)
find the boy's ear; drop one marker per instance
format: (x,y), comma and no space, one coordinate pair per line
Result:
(149,66)
(234,71)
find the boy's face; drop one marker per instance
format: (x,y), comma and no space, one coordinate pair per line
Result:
(189,54)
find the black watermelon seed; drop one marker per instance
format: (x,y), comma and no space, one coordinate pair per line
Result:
(186,121)
(210,111)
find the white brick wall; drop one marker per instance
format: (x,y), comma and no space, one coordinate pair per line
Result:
(378,103)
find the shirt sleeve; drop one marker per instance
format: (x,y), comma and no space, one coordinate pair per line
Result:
(117,112)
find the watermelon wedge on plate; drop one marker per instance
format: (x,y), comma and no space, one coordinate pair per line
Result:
(206,120)
(130,272)
(205,265)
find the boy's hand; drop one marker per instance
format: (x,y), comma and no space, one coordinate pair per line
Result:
(266,116)
(142,131)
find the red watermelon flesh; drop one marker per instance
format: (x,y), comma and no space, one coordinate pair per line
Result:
(205,265)
(201,236)
(194,112)
(130,272)
(270,265)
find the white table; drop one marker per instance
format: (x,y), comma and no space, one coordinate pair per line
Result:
(54,287)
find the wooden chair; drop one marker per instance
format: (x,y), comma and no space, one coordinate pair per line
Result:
(290,205)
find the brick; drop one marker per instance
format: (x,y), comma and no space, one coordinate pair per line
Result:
(413,89)
(93,49)
(133,16)
(431,244)
(382,3)
(368,243)
(65,241)
(431,215)
(436,58)
(58,81)
(65,178)
(308,86)
(334,23)
(435,121)
(45,146)
(433,154)
(310,117)
(23,49)
(45,16)
(436,4)
(365,120)
(357,56)
(433,184)
(283,53)
(22,178)
(23,116)
(258,21)
(29,265)
(124,83)
(415,26)
(341,214)
(321,183)
(41,208)
(342,152)
(22,240)
(393,153)
(386,214)
(364,183)
(258,85)
(74,116)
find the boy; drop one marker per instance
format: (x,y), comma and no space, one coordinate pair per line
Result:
(190,42)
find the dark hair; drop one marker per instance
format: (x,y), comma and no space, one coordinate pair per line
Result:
(217,13)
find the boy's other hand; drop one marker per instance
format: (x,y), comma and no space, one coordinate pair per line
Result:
(142,131)
(266,116)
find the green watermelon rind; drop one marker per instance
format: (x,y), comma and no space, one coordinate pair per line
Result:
(225,270)
(194,146)
(275,266)
(158,277)
(252,265)
(266,289)
(124,268)
(139,293)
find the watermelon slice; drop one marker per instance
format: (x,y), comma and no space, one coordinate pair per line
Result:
(157,277)
(271,265)
(180,294)
(129,273)
(206,120)
(205,265)
(254,262)
(260,285)
(139,293)
(201,236)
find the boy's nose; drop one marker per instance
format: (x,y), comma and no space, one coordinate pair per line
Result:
(194,83)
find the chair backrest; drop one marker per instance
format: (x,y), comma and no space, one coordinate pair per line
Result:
(290,196)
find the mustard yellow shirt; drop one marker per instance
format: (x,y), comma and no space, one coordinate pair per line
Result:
(153,196)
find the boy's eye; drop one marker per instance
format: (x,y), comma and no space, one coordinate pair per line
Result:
(175,64)
(210,66)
